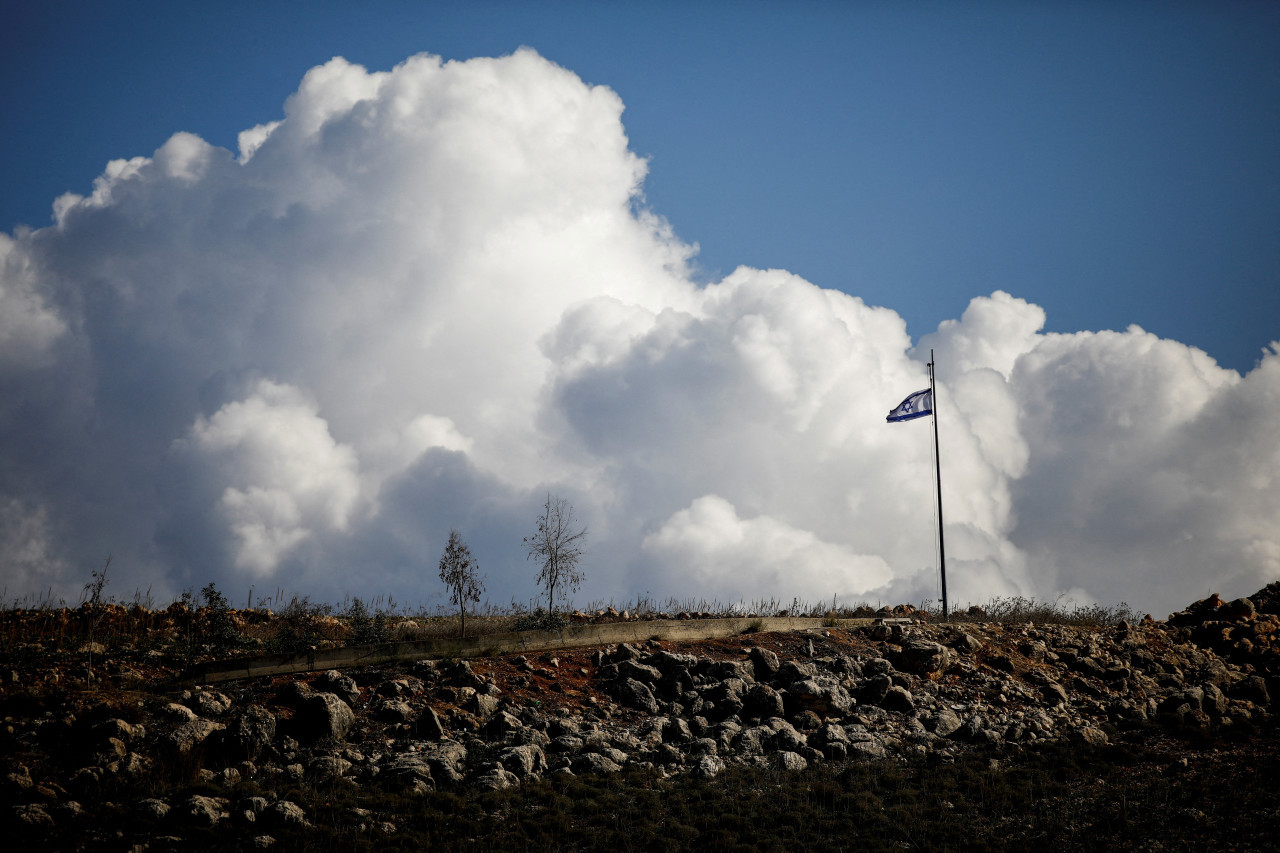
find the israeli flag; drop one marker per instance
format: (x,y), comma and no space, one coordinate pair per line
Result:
(917,405)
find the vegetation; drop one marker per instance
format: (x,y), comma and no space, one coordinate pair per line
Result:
(461,575)
(556,544)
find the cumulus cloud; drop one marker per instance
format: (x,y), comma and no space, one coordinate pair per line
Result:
(422,298)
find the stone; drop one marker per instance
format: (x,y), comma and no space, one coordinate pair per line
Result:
(1093,736)
(764,663)
(821,695)
(709,766)
(923,657)
(898,699)
(944,723)
(594,762)
(188,736)
(525,762)
(635,694)
(496,778)
(429,725)
(323,716)
(210,703)
(868,749)
(34,815)
(181,713)
(205,811)
(285,813)
(251,733)
(389,710)
(1053,694)
(342,686)
(326,768)
(447,760)
(762,701)
(792,761)
(152,808)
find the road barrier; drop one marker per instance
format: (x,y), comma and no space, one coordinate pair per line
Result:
(486,645)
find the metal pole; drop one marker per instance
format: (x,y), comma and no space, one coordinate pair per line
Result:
(942,544)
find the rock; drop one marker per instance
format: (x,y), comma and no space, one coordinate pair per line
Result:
(764,663)
(897,699)
(447,760)
(34,815)
(792,761)
(874,689)
(323,716)
(1093,736)
(594,762)
(496,778)
(868,749)
(188,736)
(210,703)
(285,813)
(635,694)
(524,761)
(762,701)
(152,808)
(1053,693)
(792,671)
(923,657)
(821,695)
(429,725)
(709,766)
(944,723)
(393,710)
(408,773)
(251,733)
(326,768)
(181,713)
(205,811)
(342,686)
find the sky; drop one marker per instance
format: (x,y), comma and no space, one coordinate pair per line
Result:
(289,290)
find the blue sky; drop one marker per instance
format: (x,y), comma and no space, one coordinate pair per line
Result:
(298,317)
(1114,163)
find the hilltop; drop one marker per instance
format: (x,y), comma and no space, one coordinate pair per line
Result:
(897,733)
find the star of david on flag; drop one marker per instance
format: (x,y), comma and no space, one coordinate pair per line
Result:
(917,405)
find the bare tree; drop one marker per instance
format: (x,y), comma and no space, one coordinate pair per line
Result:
(557,545)
(460,573)
(93,603)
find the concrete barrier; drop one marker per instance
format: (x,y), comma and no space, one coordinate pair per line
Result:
(570,637)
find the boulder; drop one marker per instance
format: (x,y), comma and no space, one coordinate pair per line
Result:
(323,716)
(188,736)
(821,695)
(762,701)
(635,694)
(251,733)
(525,761)
(923,657)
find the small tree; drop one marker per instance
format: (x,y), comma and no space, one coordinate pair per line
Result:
(93,595)
(460,573)
(558,546)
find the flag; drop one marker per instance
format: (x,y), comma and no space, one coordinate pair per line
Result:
(917,405)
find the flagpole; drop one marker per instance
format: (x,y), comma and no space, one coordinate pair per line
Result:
(942,545)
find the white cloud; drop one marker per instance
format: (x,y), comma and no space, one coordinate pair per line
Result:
(284,475)
(724,556)
(425,296)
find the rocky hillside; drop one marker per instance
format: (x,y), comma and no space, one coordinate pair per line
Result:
(138,761)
